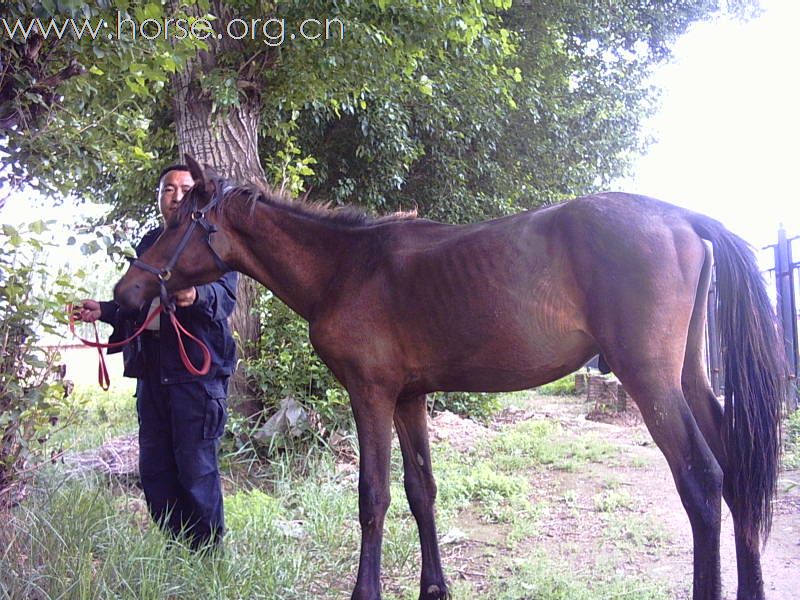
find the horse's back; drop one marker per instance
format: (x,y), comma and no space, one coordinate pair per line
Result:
(618,235)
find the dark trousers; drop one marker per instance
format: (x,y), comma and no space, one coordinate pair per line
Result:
(179,429)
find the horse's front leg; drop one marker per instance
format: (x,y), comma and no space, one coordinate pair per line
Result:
(411,423)
(373,408)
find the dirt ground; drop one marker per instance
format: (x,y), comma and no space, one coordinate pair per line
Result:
(573,532)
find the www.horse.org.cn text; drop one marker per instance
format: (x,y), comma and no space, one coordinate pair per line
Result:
(269,31)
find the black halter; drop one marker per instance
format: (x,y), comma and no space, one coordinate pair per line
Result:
(198,218)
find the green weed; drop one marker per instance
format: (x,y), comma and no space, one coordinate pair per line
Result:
(791,456)
(539,577)
(631,532)
(612,500)
(543,443)
(100,416)
(561,387)
(500,497)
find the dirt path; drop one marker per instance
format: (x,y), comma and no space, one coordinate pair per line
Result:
(653,488)
(574,530)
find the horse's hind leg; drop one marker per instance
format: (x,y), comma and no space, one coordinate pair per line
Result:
(410,421)
(696,472)
(708,413)
(642,335)
(639,311)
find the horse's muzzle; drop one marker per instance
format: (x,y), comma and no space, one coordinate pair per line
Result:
(133,294)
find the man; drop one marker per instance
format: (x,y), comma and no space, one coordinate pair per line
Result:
(181,416)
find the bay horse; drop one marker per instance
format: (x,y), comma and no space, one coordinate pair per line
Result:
(400,306)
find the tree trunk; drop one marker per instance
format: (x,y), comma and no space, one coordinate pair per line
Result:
(228,141)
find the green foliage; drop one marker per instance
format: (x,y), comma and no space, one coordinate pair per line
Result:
(80,106)
(490,475)
(32,306)
(97,415)
(84,541)
(612,500)
(465,109)
(287,365)
(297,515)
(81,539)
(466,404)
(550,109)
(561,387)
(631,532)
(791,456)
(287,165)
(793,427)
(250,509)
(503,497)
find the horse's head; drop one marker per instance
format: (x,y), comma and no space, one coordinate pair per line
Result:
(191,250)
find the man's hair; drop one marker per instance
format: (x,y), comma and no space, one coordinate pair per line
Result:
(180,167)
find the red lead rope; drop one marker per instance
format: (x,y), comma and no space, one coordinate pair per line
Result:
(102,371)
(184,356)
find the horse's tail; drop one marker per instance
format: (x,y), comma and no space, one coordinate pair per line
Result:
(756,381)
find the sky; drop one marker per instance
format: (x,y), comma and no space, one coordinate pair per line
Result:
(727,130)
(728,127)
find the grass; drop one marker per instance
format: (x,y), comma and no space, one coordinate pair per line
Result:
(612,501)
(634,533)
(293,527)
(97,416)
(75,542)
(540,577)
(537,443)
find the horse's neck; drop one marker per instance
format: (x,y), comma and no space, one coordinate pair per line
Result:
(293,255)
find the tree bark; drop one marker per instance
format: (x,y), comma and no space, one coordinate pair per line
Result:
(227,140)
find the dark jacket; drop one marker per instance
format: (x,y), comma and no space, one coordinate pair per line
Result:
(206,319)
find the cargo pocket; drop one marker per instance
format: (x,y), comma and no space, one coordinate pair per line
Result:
(215,418)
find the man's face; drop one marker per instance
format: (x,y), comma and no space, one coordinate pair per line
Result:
(171,190)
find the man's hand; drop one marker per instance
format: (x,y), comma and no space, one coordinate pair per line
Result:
(185,297)
(88,311)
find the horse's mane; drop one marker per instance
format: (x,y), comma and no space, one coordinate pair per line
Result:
(345,216)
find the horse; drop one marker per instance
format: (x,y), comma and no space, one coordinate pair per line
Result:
(400,306)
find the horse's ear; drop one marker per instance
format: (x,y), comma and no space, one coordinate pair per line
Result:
(195,169)
(210,172)
(203,177)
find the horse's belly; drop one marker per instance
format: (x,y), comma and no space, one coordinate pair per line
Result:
(507,364)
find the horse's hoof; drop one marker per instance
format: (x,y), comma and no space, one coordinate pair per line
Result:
(435,592)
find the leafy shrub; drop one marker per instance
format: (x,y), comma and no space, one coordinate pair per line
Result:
(287,365)
(793,427)
(561,387)
(791,457)
(32,390)
(97,416)
(467,404)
